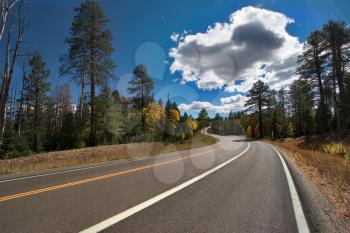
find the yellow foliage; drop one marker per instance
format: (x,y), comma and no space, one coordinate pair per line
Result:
(333,148)
(193,125)
(153,113)
(174,116)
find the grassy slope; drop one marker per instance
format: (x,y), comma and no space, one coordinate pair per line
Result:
(329,171)
(97,154)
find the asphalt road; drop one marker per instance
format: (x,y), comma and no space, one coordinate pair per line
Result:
(233,186)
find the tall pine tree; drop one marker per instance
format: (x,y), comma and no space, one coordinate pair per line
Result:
(258,99)
(36,90)
(90,54)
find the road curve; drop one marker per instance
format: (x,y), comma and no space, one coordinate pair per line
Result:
(249,194)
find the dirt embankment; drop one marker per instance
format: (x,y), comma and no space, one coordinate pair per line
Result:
(329,171)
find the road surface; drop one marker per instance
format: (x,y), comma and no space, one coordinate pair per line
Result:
(232,186)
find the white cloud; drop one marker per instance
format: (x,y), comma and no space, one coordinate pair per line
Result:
(209,80)
(233,99)
(174,37)
(232,103)
(252,45)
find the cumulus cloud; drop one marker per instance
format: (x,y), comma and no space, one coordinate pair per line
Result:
(233,99)
(252,45)
(231,103)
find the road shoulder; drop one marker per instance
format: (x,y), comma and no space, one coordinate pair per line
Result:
(320,212)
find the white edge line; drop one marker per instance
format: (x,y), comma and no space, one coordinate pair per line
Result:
(297,207)
(133,210)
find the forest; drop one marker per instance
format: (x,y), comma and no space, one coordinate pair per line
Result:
(40,118)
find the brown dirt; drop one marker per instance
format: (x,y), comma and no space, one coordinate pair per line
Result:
(331,173)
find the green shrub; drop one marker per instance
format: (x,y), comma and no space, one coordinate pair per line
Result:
(13,146)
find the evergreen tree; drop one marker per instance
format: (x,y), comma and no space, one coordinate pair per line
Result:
(13,145)
(90,54)
(203,118)
(141,87)
(282,105)
(312,64)
(258,99)
(302,102)
(35,96)
(337,40)
(109,118)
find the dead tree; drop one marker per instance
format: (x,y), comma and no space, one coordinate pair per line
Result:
(15,28)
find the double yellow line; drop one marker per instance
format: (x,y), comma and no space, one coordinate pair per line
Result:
(89,180)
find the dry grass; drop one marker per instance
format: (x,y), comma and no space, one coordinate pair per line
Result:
(330,171)
(97,154)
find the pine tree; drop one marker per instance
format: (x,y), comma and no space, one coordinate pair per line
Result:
(109,118)
(35,96)
(258,99)
(90,54)
(312,65)
(141,87)
(302,102)
(337,42)
(203,118)
(282,104)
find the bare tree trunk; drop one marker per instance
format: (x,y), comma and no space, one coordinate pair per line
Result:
(12,106)
(82,96)
(93,112)
(19,123)
(36,118)
(4,87)
(260,119)
(336,109)
(92,100)
(5,8)
(9,70)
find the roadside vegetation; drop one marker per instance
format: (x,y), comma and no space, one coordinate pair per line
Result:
(99,154)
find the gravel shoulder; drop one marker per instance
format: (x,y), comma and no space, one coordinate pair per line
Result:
(321,213)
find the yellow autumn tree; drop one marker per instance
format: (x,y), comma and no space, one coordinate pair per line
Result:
(194,125)
(174,116)
(154,114)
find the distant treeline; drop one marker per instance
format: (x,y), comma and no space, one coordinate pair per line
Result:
(226,126)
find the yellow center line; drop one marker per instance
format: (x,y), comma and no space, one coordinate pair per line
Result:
(94,179)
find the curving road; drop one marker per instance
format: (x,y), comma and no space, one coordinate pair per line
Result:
(232,186)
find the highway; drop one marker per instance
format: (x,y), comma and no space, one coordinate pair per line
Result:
(232,186)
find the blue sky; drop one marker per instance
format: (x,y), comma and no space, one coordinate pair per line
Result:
(142,31)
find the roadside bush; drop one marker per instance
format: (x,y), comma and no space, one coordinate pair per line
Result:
(13,146)
(334,149)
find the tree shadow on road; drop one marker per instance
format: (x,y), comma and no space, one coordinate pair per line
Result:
(245,140)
